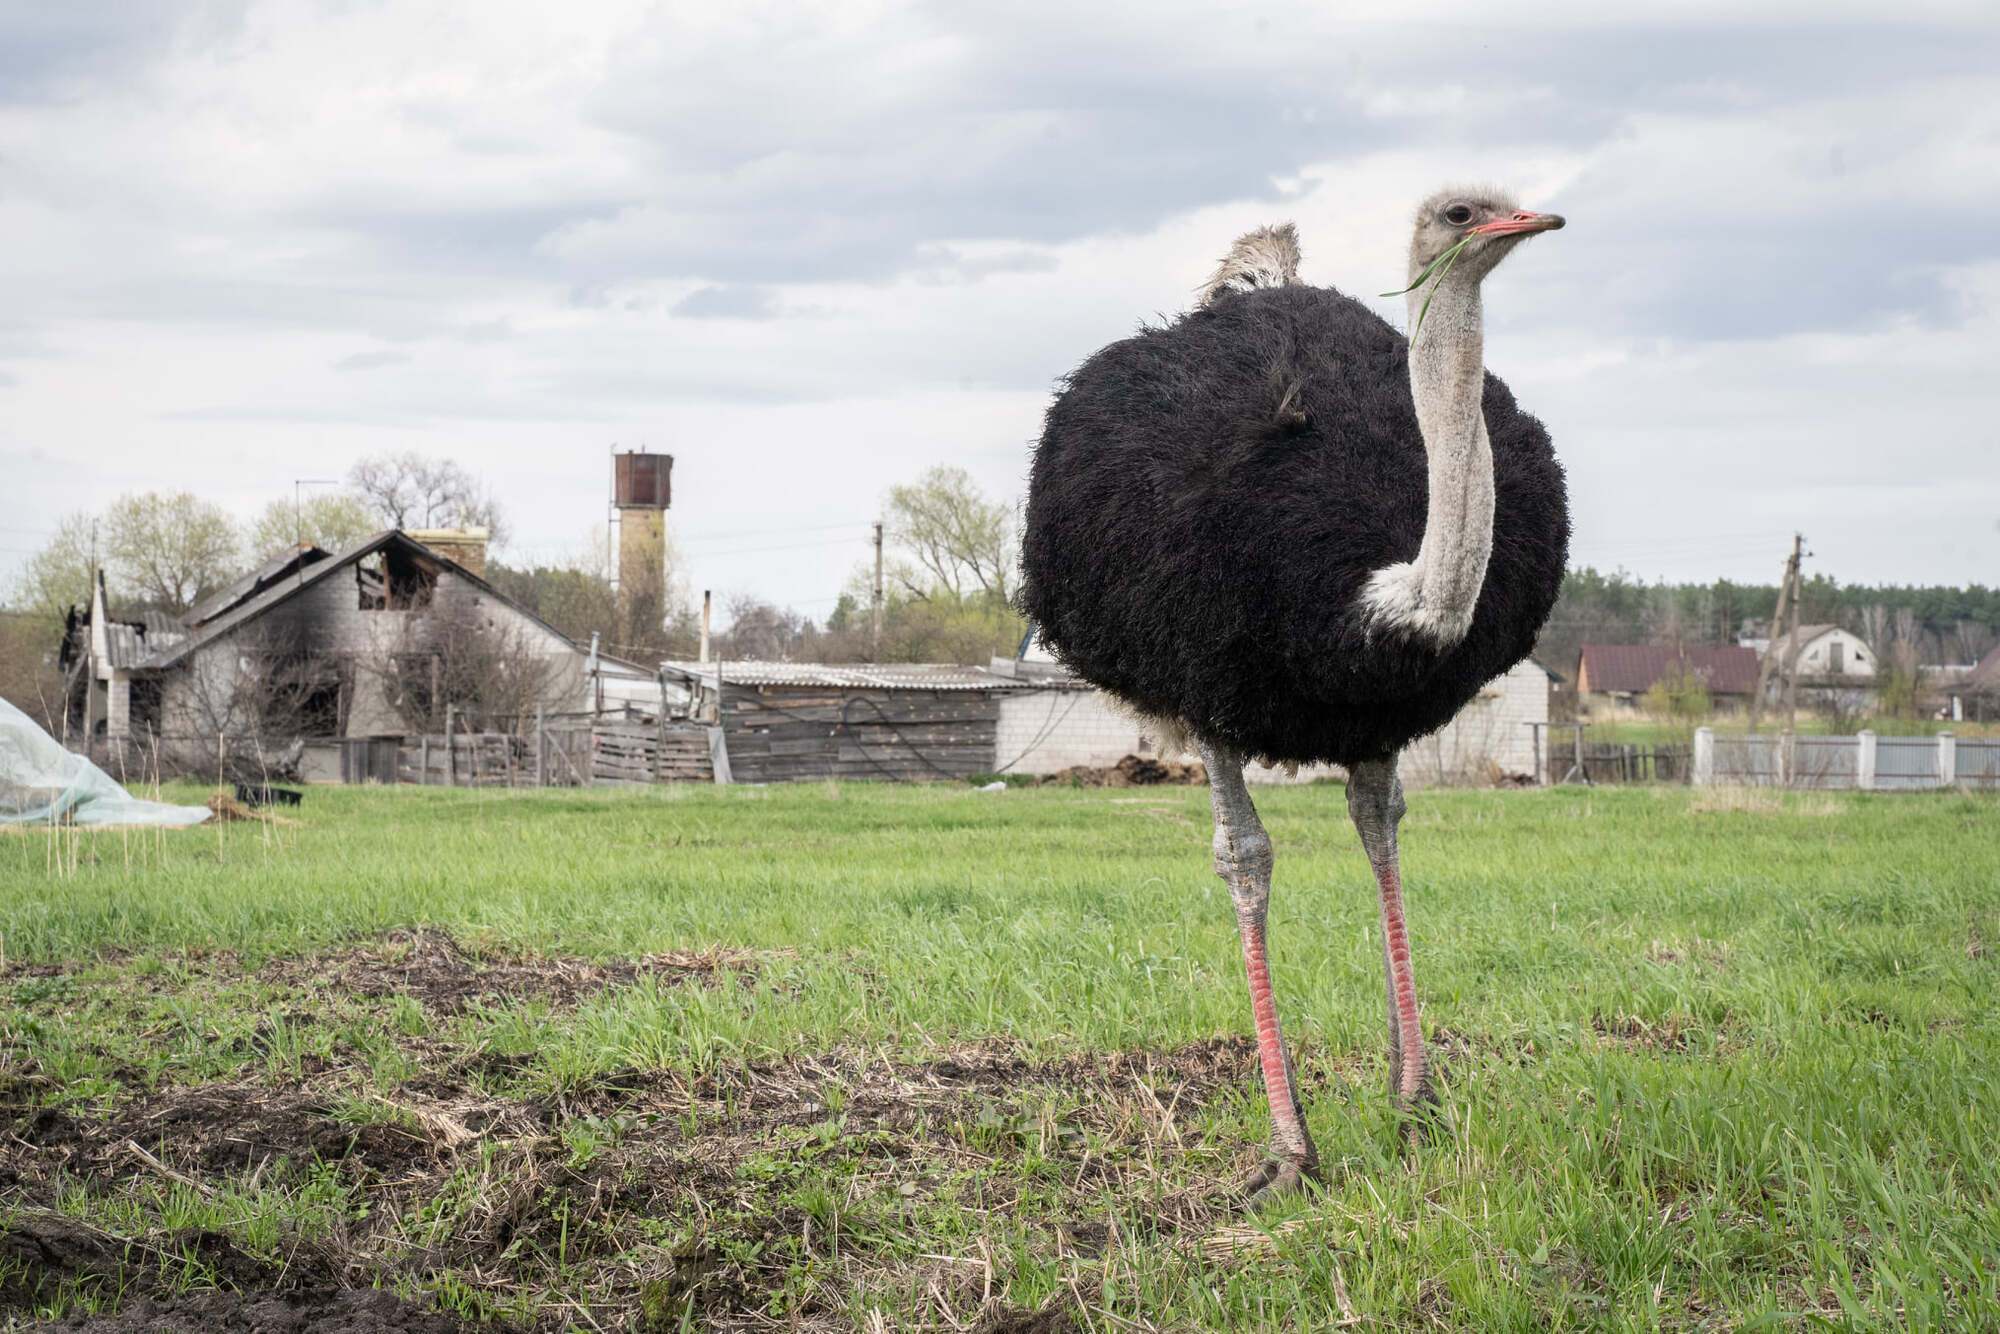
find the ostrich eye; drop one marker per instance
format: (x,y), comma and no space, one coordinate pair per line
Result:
(1458,214)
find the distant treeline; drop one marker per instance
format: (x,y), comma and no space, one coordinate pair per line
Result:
(1945,623)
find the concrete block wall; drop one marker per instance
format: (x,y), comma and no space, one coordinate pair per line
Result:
(1043,731)
(1491,732)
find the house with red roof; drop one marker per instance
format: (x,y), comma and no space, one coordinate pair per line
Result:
(1613,678)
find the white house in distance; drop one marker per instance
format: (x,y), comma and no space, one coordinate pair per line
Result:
(1828,652)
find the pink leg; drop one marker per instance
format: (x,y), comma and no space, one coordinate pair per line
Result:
(1375,801)
(1243,860)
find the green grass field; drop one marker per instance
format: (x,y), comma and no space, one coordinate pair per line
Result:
(890,1058)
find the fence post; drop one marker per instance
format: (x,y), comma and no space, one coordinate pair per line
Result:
(1947,760)
(450,745)
(540,743)
(1864,760)
(1704,757)
(424,760)
(1787,757)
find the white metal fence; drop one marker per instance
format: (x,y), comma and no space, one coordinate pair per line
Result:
(1864,761)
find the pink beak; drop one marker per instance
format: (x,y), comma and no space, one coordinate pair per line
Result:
(1521,221)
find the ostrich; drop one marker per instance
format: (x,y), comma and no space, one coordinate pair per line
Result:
(1282,531)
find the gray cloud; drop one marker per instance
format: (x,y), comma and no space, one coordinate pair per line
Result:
(751,227)
(727,303)
(791,152)
(368,361)
(54,52)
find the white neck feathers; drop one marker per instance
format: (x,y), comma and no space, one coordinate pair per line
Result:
(1433,597)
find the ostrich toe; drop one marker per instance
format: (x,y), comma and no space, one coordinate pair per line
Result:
(1277,1177)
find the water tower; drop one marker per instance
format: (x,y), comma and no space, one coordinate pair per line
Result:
(641,490)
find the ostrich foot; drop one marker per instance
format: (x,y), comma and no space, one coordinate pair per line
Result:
(1275,1178)
(1422,1116)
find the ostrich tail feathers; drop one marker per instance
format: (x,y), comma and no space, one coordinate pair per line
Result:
(1267,257)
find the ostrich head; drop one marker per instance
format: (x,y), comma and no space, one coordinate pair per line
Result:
(1490,217)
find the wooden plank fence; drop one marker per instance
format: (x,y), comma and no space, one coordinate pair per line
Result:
(608,752)
(788,734)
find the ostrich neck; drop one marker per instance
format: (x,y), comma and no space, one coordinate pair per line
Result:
(1435,594)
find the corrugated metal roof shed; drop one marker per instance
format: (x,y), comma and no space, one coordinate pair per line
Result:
(131,644)
(850,676)
(124,645)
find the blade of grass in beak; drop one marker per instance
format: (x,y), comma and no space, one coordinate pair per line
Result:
(1447,259)
(1431,268)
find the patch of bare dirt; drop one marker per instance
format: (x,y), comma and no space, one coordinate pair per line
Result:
(1698,952)
(576,1194)
(44,1254)
(1055,1318)
(1673,1035)
(333,1311)
(424,963)
(431,967)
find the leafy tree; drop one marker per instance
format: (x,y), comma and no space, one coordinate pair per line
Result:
(574,599)
(411,490)
(169,549)
(29,679)
(958,539)
(58,576)
(1680,700)
(329,520)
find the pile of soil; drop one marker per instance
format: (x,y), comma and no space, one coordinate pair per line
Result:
(1132,771)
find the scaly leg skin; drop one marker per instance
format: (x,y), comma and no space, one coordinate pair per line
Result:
(1243,860)
(1375,803)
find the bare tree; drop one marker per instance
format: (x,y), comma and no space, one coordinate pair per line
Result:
(1970,641)
(410,490)
(170,548)
(1897,673)
(495,675)
(762,630)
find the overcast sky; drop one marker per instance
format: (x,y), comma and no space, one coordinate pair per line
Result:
(811,250)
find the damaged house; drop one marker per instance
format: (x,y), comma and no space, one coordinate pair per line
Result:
(381,639)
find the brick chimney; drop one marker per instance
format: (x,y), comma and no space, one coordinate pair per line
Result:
(465,547)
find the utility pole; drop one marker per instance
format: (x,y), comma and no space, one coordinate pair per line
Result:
(1792,644)
(875,609)
(1786,597)
(707,600)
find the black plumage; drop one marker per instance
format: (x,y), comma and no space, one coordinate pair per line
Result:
(1209,499)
